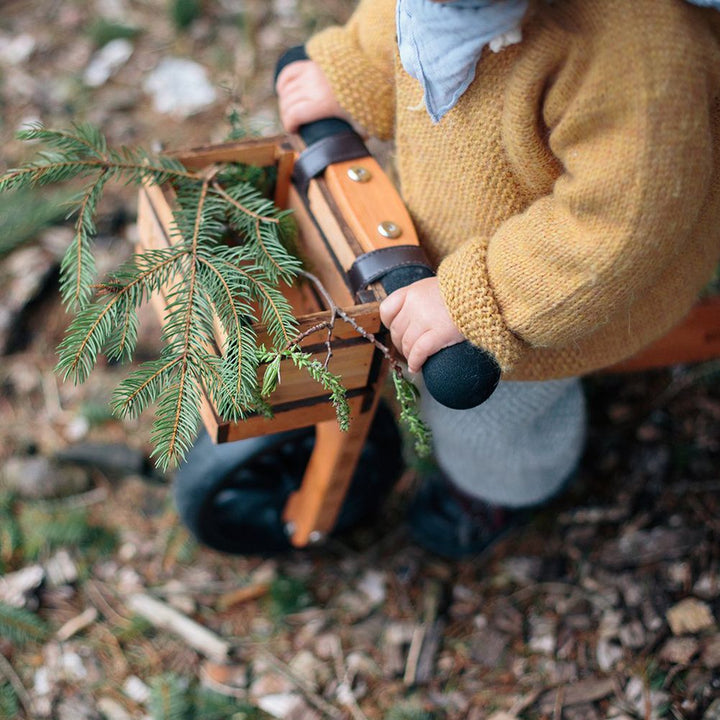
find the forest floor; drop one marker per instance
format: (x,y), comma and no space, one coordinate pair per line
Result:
(606,604)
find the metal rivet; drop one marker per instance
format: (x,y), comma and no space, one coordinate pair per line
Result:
(389,230)
(315,537)
(359,174)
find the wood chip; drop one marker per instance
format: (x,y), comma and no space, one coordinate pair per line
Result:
(197,636)
(242,595)
(76,624)
(643,547)
(581,692)
(710,657)
(679,651)
(689,616)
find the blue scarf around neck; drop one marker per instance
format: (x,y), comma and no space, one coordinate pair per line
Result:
(440,43)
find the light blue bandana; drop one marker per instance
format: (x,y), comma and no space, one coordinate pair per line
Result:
(440,43)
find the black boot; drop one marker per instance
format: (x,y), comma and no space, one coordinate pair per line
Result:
(454,525)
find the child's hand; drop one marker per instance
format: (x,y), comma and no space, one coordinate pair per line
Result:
(419,322)
(305,95)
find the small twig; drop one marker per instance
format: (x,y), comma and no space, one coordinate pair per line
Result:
(76,624)
(413,656)
(345,693)
(558,587)
(312,697)
(306,333)
(221,687)
(99,601)
(73,502)
(337,310)
(51,394)
(197,636)
(559,698)
(11,676)
(328,340)
(242,595)
(525,702)
(648,700)
(676,386)
(111,648)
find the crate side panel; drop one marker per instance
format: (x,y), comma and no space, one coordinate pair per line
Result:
(352,364)
(303,415)
(263,152)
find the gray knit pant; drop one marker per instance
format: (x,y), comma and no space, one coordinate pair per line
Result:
(516,449)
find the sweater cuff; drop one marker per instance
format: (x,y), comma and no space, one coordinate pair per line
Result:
(466,289)
(361,88)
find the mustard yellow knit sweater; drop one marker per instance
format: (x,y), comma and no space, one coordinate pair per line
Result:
(572,196)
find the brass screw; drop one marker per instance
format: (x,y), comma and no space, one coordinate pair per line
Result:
(390,230)
(359,174)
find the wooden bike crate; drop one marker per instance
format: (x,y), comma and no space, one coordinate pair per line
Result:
(326,245)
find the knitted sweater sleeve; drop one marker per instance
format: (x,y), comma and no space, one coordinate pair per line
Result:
(629,119)
(358,59)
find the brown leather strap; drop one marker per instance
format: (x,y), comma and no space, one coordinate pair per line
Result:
(373,265)
(331,149)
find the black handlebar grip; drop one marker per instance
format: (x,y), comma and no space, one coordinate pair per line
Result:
(314,131)
(460,376)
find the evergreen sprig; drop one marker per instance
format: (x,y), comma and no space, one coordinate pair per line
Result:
(230,254)
(330,382)
(9,705)
(407,396)
(170,698)
(174,697)
(205,282)
(20,625)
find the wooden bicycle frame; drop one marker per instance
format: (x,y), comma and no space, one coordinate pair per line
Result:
(337,221)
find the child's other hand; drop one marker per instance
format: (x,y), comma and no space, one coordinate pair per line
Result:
(305,95)
(419,322)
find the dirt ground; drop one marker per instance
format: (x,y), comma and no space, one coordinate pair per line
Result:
(605,605)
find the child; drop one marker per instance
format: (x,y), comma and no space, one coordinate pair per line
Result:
(561,163)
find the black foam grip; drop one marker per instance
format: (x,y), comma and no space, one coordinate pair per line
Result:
(314,131)
(461,376)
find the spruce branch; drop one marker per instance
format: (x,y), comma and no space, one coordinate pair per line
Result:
(12,692)
(169,698)
(20,625)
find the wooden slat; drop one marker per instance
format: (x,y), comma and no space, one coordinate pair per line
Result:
(314,251)
(262,152)
(365,205)
(285,163)
(303,415)
(352,363)
(335,231)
